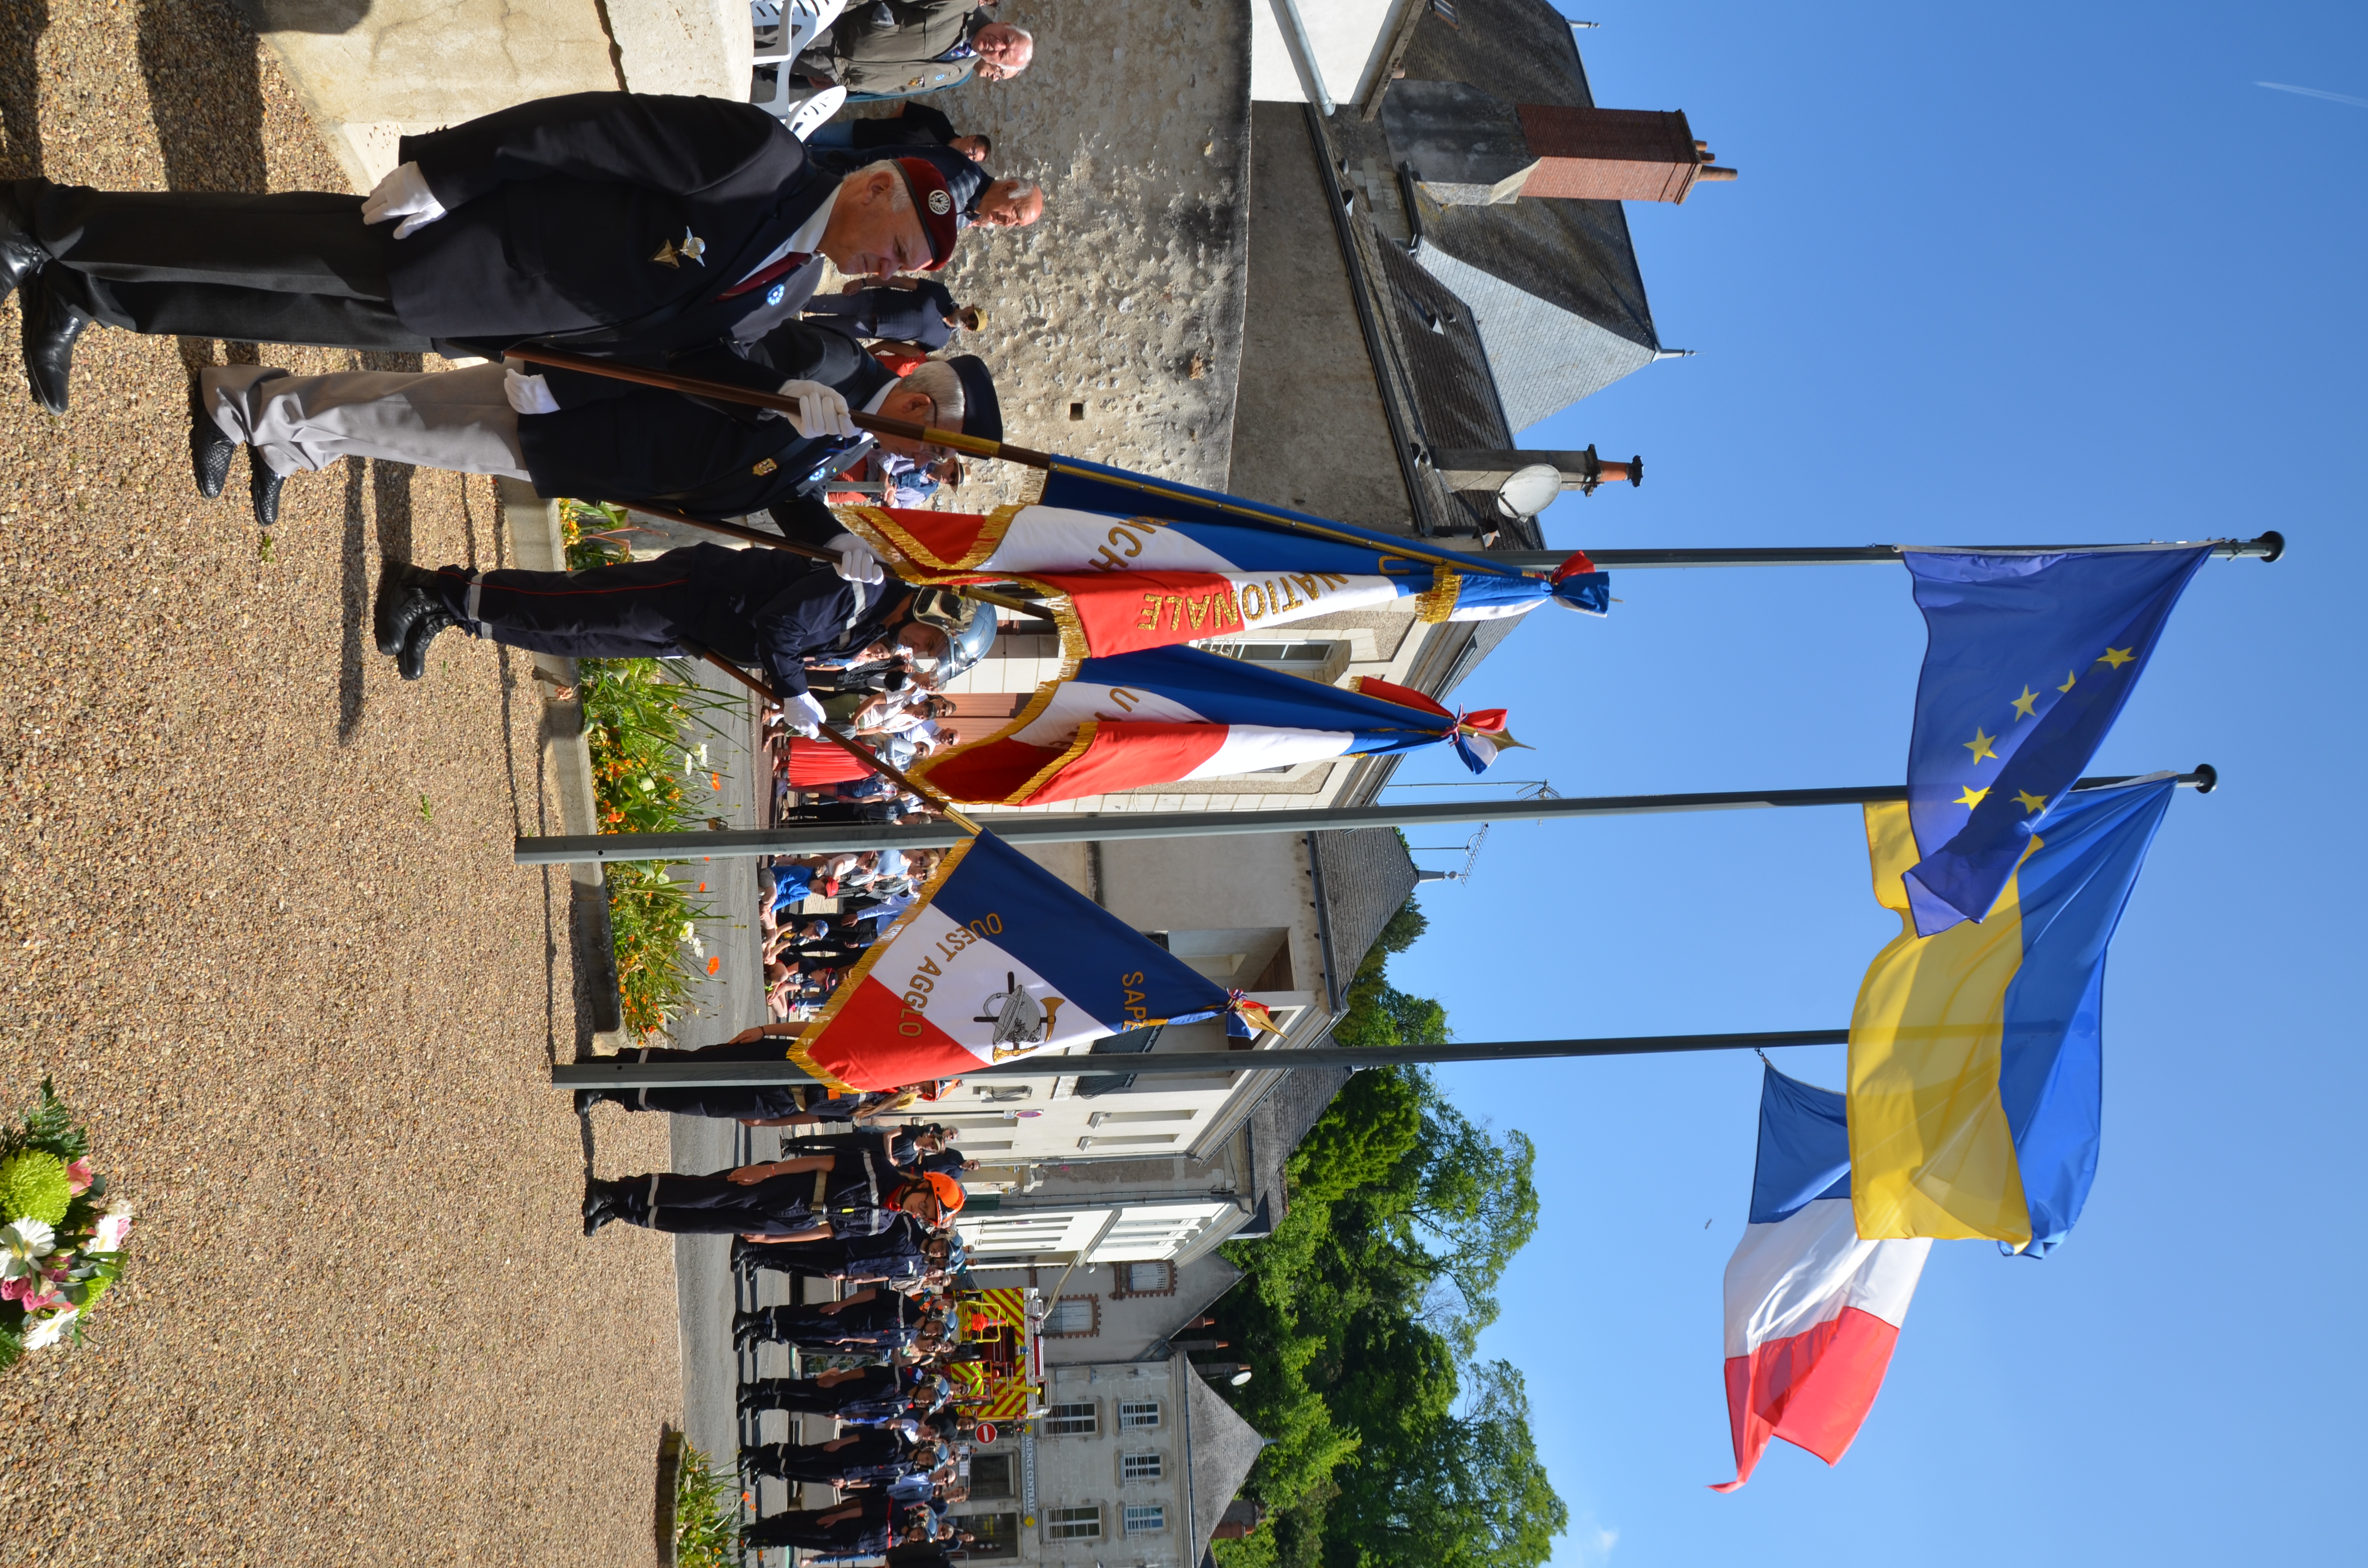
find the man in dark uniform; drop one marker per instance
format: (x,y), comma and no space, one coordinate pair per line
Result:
(900,1256)
(615,221)
(870,1318)
(863,1528)
(875,1392)
(913,125)
(748,605)
(764,1203)
(909,310)
(858,1459)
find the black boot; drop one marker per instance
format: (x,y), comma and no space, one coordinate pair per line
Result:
(51,327)
(412,663)
(22,255)
(404,594)
(263,489)
(210,450)
(599,1204)
(751,1329)
(586,1098)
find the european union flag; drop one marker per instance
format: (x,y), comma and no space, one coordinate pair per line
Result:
(2030,659)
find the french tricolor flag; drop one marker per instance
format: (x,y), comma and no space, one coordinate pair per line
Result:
(1812,1312)
(1138,562)
(1167,715)
(998,958)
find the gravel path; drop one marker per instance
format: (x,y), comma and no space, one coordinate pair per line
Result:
(259,921)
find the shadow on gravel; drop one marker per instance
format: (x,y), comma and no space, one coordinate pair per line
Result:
(353,607)
(661,1516)
(22,22)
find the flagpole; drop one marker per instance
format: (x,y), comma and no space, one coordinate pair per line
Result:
(877,764)
(1022,828)
(621,1072)
(974,446)
(2268,548)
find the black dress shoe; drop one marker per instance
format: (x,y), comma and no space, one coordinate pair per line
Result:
(412,663)
(51,327)
(598,1208)
(404,594)
(210,450)
(586,1098)
(263,489)
(22,255)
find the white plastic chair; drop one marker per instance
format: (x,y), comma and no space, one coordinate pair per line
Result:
(784,28)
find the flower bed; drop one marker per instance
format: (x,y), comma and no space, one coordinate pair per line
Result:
(706,1513)
(646,778)
(61,1239)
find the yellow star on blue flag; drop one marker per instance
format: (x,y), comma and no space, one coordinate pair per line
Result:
(1996,621)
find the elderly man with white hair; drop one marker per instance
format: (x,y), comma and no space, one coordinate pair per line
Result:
(901,48)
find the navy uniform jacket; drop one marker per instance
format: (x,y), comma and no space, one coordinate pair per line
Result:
(771,608)
(912,315)
(614,441)
(571,215)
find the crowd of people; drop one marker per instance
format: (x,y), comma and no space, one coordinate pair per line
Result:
(805,954)
(872,1211)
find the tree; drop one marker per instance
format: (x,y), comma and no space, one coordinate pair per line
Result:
(1471,1493)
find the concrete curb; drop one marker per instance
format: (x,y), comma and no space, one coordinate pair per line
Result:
(538,545)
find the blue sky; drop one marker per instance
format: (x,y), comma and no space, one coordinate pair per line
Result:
(1991,275)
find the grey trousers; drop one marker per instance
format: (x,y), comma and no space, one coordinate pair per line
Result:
(459,420)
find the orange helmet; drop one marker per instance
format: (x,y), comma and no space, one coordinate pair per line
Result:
(951,1195)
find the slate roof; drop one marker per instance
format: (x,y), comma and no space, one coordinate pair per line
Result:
(1367,876)
(1554,283)
(1222,1447)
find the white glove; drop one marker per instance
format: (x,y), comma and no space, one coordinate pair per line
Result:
(820,410)
(403,194)
(528,394)
(803,714)
(857,563)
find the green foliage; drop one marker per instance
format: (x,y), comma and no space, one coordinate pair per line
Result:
(49,1127)
(706,1513)
(1379,1014)
(33,1185)
(1358,1313)
(641,719)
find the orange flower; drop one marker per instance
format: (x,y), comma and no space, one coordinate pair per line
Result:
(714,964)
(715,781)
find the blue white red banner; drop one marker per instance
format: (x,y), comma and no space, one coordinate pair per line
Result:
(1167,715)
(998,958)
(1812,1312)
(1144,563)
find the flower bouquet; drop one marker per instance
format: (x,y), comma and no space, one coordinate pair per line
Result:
(61,1240)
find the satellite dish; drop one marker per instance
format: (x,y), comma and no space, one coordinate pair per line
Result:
(1529,491)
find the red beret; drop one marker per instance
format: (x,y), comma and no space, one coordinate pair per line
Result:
(936,205)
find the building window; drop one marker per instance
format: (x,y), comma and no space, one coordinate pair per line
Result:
(1074,1523)
(1077,1420)
(1144,1279)
(1142,1519)
(990,1476)
(1073,1317)
(998,1534)
(1139,1467)
(1313,661)
(1134,1414)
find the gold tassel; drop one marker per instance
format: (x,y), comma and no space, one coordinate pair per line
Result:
(1437,602)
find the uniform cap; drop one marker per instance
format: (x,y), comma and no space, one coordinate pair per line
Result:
(982,415)
(936,205)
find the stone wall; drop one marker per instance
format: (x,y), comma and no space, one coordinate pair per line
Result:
(372,70)
(1124,305)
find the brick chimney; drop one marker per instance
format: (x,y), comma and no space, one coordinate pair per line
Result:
(1465,147)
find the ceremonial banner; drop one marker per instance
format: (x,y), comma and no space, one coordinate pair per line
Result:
(2030,659)
(1169,714)
(1145,563)
(1976,1057)
(1812,1312)
(995,959)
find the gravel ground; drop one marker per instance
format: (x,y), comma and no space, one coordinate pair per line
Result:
(260,924)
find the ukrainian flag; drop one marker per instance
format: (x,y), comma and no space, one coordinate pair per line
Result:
(2030,655)
(1975,1055)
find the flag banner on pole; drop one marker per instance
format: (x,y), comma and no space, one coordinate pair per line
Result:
(1144,563)
(1976,1057)
(2030,659)
(1165,715)
(1812,1312)
(998,958)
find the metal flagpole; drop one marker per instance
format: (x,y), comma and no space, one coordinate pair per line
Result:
(1030,827)
(2268,547)
(620,1071)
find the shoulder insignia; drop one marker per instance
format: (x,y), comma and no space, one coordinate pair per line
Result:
(762,469)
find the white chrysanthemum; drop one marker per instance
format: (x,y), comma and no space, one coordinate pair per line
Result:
(48,1331)
(23,1243)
